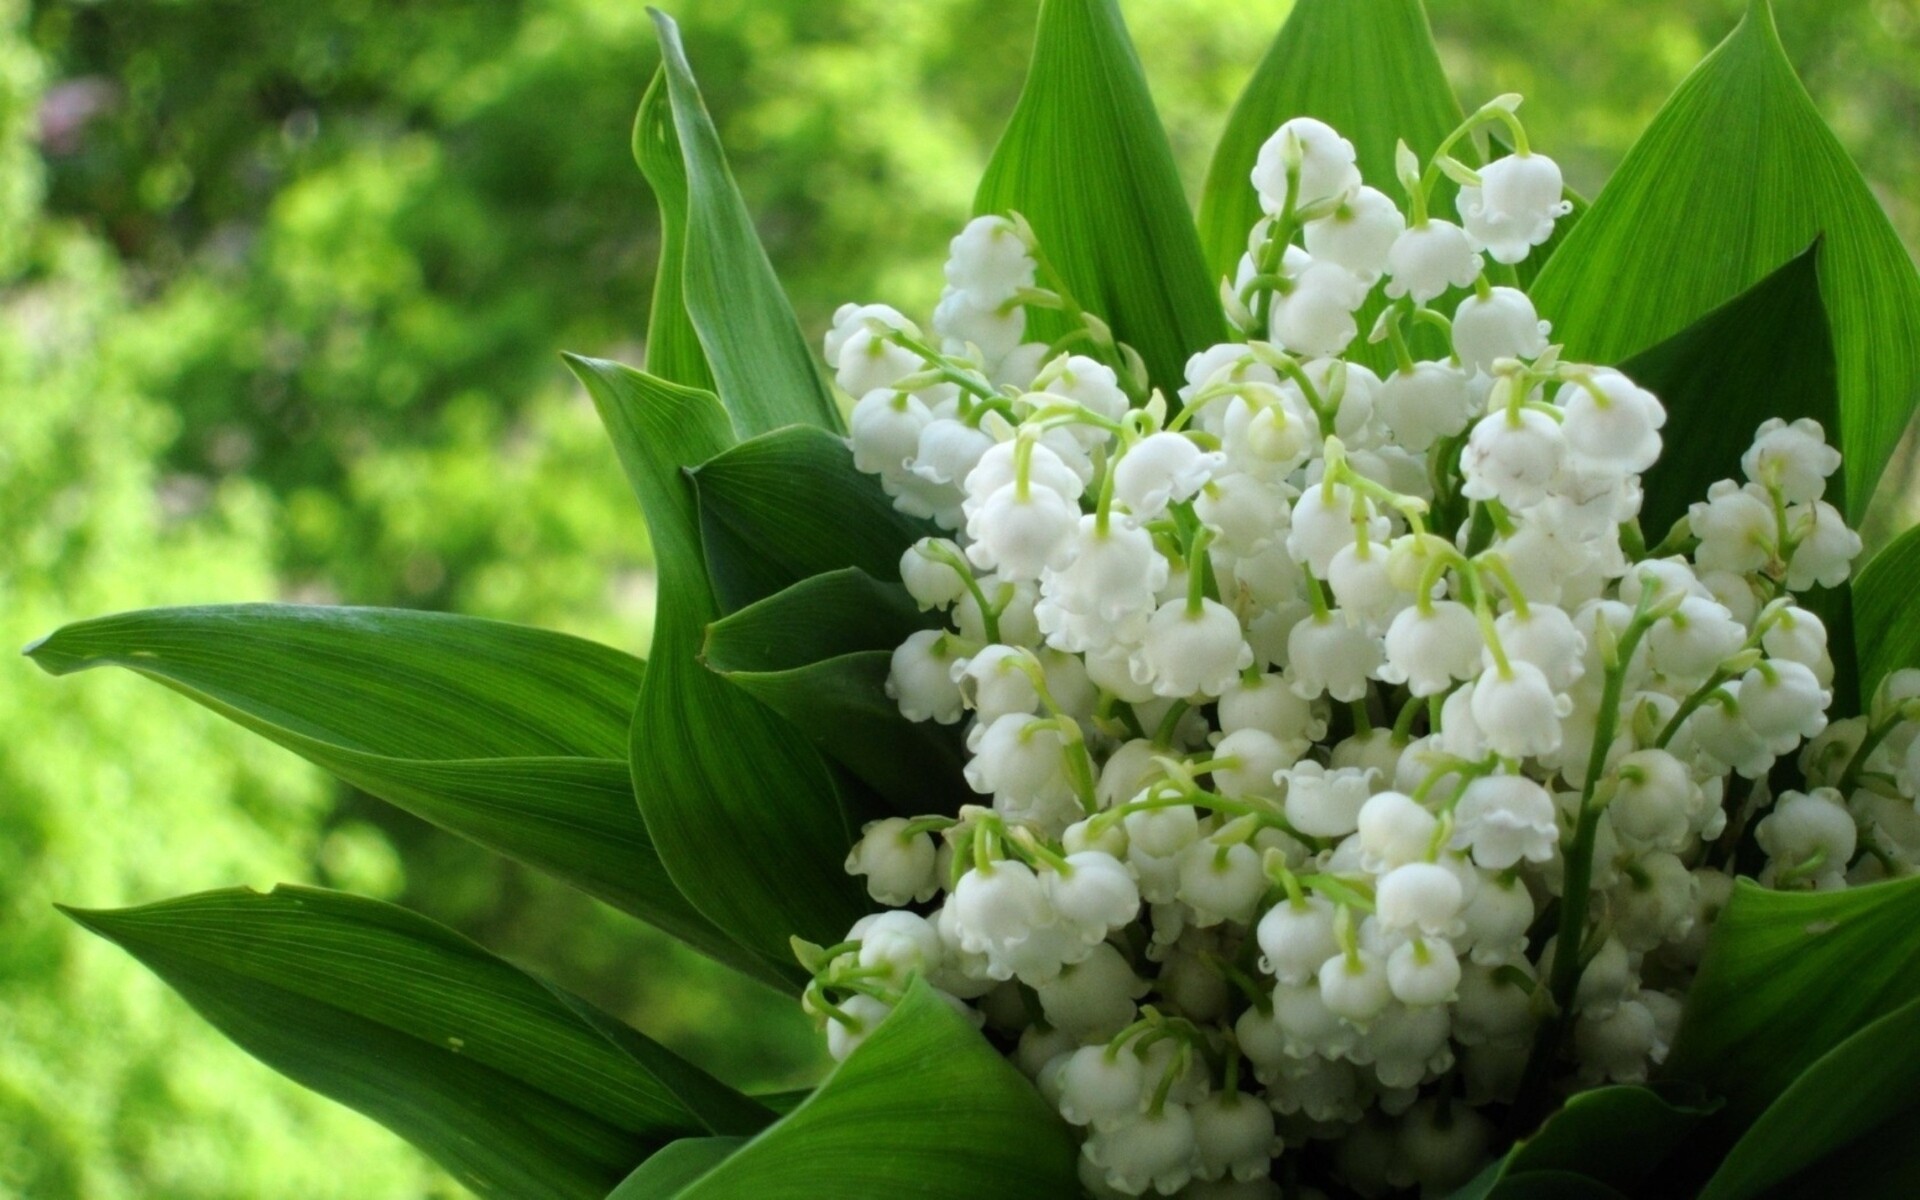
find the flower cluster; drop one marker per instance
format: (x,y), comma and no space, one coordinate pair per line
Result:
(1352,773)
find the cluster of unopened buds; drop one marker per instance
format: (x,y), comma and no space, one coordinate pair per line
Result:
(1353,776)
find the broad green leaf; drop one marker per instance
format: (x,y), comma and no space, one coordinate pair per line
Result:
(788,505)
(1085,159)
(924,1108)
(1787,977)
(1865,1091)
(1366,67)
(759,361)
(1736,175)
(747,816)
(1765,353)
(673,347)
(512,737)
(1885,632)
(674,1167)
(1615,1136)
(818,653)
(465,1056)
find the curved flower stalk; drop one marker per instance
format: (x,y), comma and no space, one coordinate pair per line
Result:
(1231,738)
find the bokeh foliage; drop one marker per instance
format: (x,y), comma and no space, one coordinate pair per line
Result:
(286,326)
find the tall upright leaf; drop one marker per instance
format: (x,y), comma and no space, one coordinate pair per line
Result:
(1366,67)
(1086,160)
(747,815)
(757,358)
(1736,175)
(1886,634)
(923,1108)
(513,737)
(673,345)
(465,1056)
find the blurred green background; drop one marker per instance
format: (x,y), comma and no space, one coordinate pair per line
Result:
(281,291)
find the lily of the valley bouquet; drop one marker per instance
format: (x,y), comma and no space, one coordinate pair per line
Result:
(1381,695)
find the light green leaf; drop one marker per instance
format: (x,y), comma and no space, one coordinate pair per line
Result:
(674,1167)
(1366,67)
(468,1058)
(1617,1137)
(1085,159)
(1787,977)
(789,505)
(747,816)
(818,653)
(758,358)
(673,347)
(1862,1096)
(512,737)
(1886,635)
(1736,175)
(924,1108)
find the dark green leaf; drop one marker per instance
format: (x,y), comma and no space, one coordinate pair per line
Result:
(1735,176)
(1084,158)
(758,358)
(470,1059)
(924,1108)
(673,347)
(789,505)
(1615,1136)
(1886,634)
(1366,67)
(674,1167)
(748,818)
(513,737)
(818,653)
(1864,1091)
(1787,977)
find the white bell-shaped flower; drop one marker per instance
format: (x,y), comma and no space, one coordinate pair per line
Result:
(1617,428)
(1825,547)
(962,320)
(1429,258)
(1089,383)
(1248,762)
(998,467)
(1505,819)
(901,944)
(1794,458)
(1354,986)
(1322,523)
(1162,469)
(1736,528)
(1364,587)
(864,1014)
(1518,711)
(899,865)
(1326,161)
(988,262)
(1189,652)
(998,907)
(1099,1085)
(920,678)
(1800,636)
(1221,883)
(1021,532)
(884,431)
(1694,639)
(1502,325)
(1491,1007)
(1105,592)
(1653,799)
(1233,1137)
(1809,832)
(1096,894)
(1495,922)
(1145,1150)
(1420,896)
(1546,637)
(1359,234)
(995,682)
(1784,703)
(1330,655)
(1430,402)
(1020,760)
(1444,1146)
(1618,1047)
(862,352)
(1266,703)
(1423,971)
(1513,456)
(928,574)
(1315,316)
(1092,999)
(1394,830)
(1325,803)
(1296,937)
(1515,206)
(1429,651)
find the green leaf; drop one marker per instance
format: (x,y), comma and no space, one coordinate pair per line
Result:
(1366,67)
(1736,175)
(1787,977)
(465,1056)
(1085,159)
(757,356)
(747,816)
(512,737)
(674,1167)
(818,653)
(924,1108)
(1886,636)
(1615,1136)
(788,505)
(1765,353)
(1865,1091)
(673,347)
